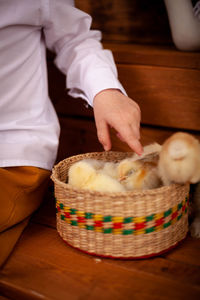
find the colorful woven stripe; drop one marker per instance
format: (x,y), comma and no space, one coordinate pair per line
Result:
(122,225)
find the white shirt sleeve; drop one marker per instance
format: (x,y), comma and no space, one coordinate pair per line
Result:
(79,53)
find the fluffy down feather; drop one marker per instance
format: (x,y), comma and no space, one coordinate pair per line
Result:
(90,174)
(180,162)
(140,172)
(180,159)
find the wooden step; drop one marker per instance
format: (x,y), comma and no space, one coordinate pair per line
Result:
(165,83)
(44,267)
(168,97)
(129,21)
(153,55)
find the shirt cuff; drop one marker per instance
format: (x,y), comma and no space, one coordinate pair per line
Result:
(95,82)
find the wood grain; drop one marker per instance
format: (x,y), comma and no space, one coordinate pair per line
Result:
(3,298)
(167,97)
(129,21)
(153,55)
(57,271)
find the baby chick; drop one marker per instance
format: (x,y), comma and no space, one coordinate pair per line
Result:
(180,159)
(110,168)
(179,162)
(90,174)
(140,172)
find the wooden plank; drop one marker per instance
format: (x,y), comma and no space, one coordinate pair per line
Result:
(177,270)
(44,264)
(189,254)
(167,97)
(14,292)
(129,21)
(153,55)
(3,298)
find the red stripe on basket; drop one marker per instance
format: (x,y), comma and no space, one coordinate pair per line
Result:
(183,207)
(67,214)
(139,226)
(117,225)
(98,223)
(133,228)
(174,215)
(159,222)
(81,219)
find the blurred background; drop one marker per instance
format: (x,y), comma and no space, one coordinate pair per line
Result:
(163,80)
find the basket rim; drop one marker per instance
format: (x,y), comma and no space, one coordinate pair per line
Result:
(66,186)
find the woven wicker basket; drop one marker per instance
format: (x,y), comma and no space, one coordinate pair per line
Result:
(131,224)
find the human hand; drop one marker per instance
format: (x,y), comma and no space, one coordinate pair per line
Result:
(114,109)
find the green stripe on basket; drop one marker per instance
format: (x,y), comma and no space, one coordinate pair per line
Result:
(128,220)
(127,231)
(118,225)
(150,218)
(167,213)
(107,230)
(88,215)
(165,225)
(107,219)
(149,230)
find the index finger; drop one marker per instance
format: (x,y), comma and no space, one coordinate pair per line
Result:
(130,138)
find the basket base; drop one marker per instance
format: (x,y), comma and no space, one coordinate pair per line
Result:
(128,257)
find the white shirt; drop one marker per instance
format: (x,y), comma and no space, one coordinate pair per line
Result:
(29,128)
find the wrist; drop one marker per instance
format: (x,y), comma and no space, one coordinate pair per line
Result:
(108,91)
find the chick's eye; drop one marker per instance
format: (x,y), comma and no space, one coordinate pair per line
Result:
(130,172)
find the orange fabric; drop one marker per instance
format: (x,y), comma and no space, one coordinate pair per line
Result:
(21,192)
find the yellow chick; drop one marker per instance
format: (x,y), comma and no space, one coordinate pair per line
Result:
(140,172)
(89,174)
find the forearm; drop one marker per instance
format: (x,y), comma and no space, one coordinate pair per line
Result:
(185,27)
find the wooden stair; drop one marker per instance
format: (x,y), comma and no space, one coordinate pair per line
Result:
(166,84)
(44,267)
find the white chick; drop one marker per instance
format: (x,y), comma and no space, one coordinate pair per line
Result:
(88,174)
(110,168)
(180,159)
(179,162)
